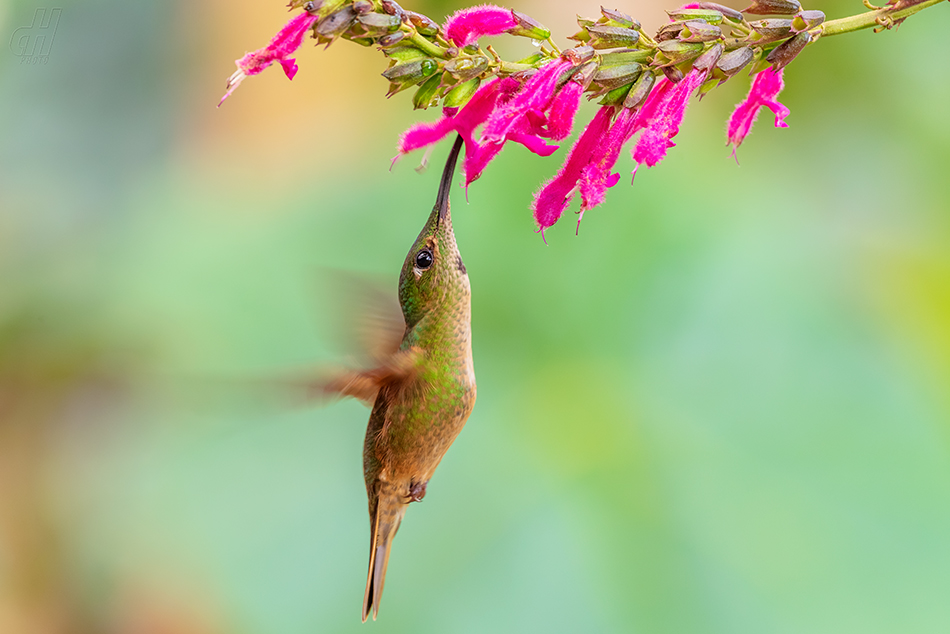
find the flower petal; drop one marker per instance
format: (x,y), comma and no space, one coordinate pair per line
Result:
(765,88)
(464,27)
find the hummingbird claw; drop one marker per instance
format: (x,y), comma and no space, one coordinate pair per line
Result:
(417,491)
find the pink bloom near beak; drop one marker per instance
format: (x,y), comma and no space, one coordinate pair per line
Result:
(661,117)
(554,197)
(468,25)
(281,47)
(766,87)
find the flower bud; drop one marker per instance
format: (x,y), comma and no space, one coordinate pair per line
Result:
(403,76)
(707,61)
(336,22)
(619,19)
(669,32)
(465,68)
(710,16)
(423,24)
(807,20)
(613,76)
(392,39)
(529,27)
(672,73)
(774,7)
(402,54)
(734,61)
(612,36)
(699,31)
(426,94)
(784,53)
(640,91)
(728,12)
(624,57)
(616,96)
(579,54)
(379,23)
(471,49)
(677,51)
(585,74)
(310,7)
(772,28)
(362,6)
(460,95)
(392,8)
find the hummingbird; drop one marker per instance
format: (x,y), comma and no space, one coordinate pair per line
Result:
(422,390)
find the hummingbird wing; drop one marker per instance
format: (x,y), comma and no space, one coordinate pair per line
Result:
(364,384)
(369,319)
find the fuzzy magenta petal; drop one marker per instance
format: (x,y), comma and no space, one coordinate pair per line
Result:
(466,26)
(765,88)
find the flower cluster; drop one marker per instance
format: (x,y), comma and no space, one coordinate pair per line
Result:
(645,83)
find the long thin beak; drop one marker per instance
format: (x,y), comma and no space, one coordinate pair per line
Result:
(442,202)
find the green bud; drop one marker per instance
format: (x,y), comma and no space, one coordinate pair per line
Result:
(403,54)
(532,59)
(707,61)
(460,95)
(640,91)
(734,61)
(379,22)
(310,7)
(677,51)
(411,72)
(710,16)
(362,6)
(784,53)
(774,7)
(807,20)
(616,96)
(465,68)
(612,36)
(362,41)
(619,19)
(699,31)
(423,24)
(729,13)
(427,92)
(471,49)
(585,74)
(772,28)
(624,57)
(614,76)
(529,27)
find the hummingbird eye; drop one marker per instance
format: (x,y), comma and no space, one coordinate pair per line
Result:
(424,259)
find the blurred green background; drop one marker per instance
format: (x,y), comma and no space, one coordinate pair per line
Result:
(723,407)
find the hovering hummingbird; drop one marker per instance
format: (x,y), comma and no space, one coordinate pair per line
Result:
(422,390)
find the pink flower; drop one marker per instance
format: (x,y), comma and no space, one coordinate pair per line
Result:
(766,87)
(596,177)
(281,47)
(526,109)
(563,108)
(661,117)
(467,25)
(554,197)
(464,122)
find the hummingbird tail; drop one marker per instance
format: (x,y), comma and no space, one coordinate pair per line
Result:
(384,523)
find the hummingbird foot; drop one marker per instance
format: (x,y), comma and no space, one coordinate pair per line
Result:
(417,491)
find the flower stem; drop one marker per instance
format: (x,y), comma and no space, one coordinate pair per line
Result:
(881,17)
(424,45)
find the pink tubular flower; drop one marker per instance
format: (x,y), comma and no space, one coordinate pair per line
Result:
(766,87)
(553,198)
(465,26)
(464,122)
(563,109)
(596,177)
(281,47)
(661,117)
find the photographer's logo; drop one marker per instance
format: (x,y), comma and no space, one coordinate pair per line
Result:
(33,43)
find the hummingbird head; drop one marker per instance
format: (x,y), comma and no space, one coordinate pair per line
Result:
(433,272)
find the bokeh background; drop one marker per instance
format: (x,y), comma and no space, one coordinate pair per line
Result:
(723,407)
